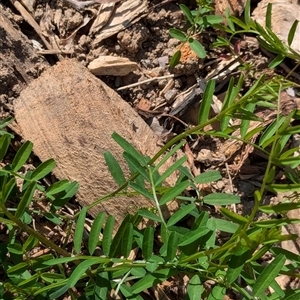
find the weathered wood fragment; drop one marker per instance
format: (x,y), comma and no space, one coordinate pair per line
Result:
(69,115)
(19,64)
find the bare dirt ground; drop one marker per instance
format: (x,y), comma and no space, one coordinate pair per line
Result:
(141,75)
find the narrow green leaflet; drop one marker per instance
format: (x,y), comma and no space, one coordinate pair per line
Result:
(127,292)
(134,163)
(276,222)
(141,190)
(229,22)
(209,20)
(222,225)
(168,155)
(217,293)
(52,277)
(148,242)
(276,61)
(4,122)
(230,96)
(268,16)
(294,296)
(177,34)
(268,275)
(197,47)
(4,144)
(181,213)
(63,260)
(114,168)
(15,248)
(238,22)
(291,130)
(21,156)
(102,286)
(7,189)
(57,187)
(247,14)
(43,169)
(95,232)
(30,243)
(80,271)
(236,263)
(129,149)
(221,199)
(18,268)
(127,241)
(236,218)
(205,104)
(78,235)
(207,177)
(65,195)
(292,32)
(149,215)
(175,58)
(280,188)
(170,170)
(174,192)
(25,200)
(107,235)
(270,132)
(193,235)
(115,248)
(57,293)
(187,13)
(280,208)
(194,289)
(245,122)
(29,282)
(152,279)
(172,245)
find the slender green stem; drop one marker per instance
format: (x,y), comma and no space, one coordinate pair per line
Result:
(155,198)
(34,233)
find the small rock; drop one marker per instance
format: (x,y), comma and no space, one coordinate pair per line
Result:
(163,61)
(170,95)
(112,65)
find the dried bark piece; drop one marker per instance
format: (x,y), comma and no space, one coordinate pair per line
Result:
(69,115)
(123,15)
(283,16)
(19,63)
(112,65)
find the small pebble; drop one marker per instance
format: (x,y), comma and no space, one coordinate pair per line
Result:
(163,61)
(170,95)
(146,63)
(162,83)
(177,83)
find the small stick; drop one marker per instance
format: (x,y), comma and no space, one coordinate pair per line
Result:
(82,4)
(29,19)
(144,81)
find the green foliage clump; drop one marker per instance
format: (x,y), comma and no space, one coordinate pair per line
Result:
(98,263)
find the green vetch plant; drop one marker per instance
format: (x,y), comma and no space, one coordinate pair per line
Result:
(98,265)
(266,37)
(197,20)
(203,18)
